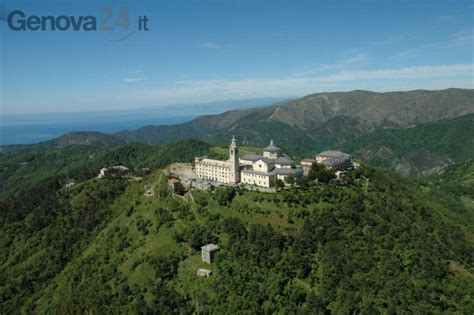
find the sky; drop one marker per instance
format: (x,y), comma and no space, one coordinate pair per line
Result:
(202,51)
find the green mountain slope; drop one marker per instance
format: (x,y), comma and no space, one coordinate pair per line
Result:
(102,246)
(424,149)
(85,138)
(369,110)
(25,167)
(455,189)
(458,179)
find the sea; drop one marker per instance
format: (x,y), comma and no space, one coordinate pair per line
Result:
(37,127)
(27,129)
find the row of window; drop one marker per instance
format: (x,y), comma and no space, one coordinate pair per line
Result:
(254,182)
(219,168)
(255,175)
(217,179)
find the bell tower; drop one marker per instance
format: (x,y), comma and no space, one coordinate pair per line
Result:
(234,161)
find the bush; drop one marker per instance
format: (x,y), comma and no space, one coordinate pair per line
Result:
(321,173)
(224,195)
(199,235)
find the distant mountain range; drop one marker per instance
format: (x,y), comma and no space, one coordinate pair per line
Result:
(326,115)
(386,129)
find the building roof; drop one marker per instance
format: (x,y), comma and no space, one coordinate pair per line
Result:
(333,154)
(308,160)
(210,247)
(257,172)
(266,160)
(335,161)
(219,163)
(252,157)
(288,171)
(283,160)
(272,148)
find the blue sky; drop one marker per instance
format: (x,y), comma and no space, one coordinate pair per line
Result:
(199,51)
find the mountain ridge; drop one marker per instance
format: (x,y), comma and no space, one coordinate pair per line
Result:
(371,110)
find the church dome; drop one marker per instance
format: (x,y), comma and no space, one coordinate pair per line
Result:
(272,148)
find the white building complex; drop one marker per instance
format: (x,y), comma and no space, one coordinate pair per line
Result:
(335,160)
(253,169)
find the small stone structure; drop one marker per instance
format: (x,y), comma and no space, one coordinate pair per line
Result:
(207,252)
(204,272)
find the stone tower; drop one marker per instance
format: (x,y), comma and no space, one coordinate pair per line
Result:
(234,161)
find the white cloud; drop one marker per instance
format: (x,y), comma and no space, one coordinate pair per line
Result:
(209,90)
(388,41)
(448,17)
(464,38)
(460,39)
(133,71)
(211,45)
(318,69)
(352,57)
(403,73)
(359,57)
(132,80)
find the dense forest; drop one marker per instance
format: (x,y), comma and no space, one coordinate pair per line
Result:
(373,243)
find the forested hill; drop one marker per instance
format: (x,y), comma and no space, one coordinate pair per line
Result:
(26,167)
(425,149)
(375,243)
(341,114)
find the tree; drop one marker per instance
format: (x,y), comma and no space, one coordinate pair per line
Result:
(290,179)
(199,235)
(235,228)
(163,189)
(279,184)
(224,195)
(320,173)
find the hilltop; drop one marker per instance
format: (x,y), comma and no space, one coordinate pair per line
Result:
(104,246)
(86,138)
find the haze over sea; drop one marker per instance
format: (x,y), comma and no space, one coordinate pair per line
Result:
(37,127)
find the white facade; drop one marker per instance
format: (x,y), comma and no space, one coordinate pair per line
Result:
(257,178)
(252,169)
(262,166)
(213,170)
(220,171)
